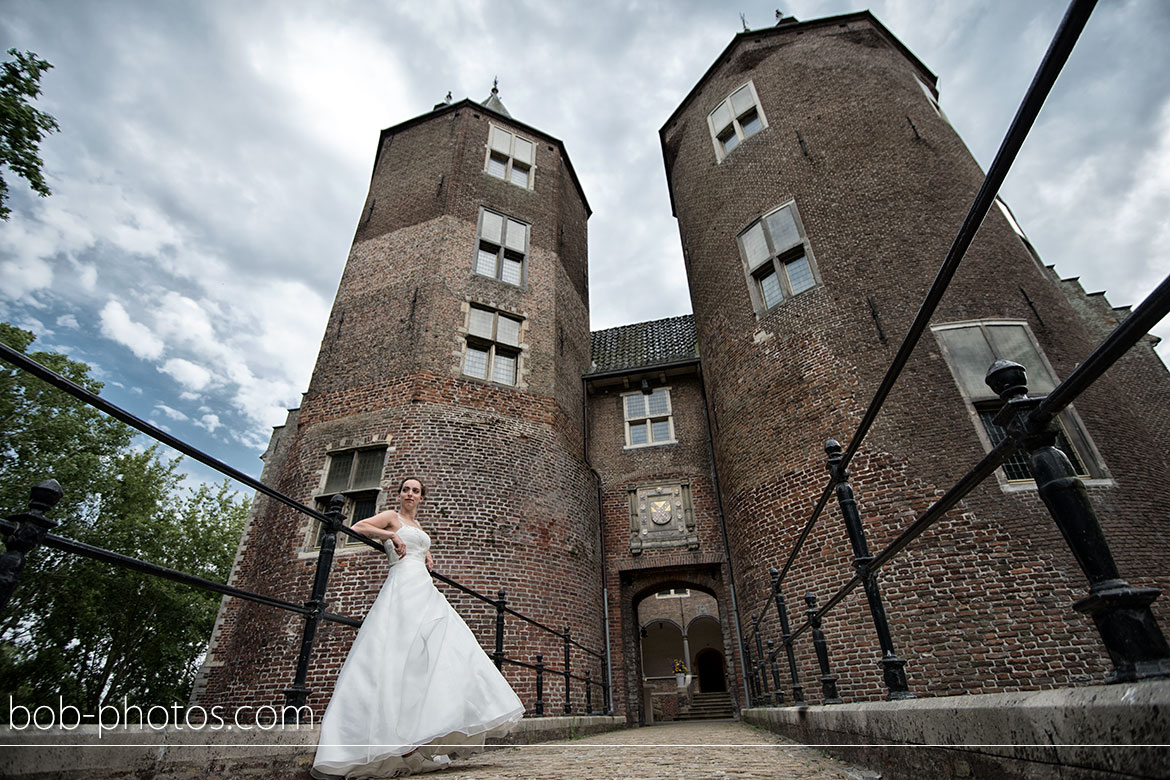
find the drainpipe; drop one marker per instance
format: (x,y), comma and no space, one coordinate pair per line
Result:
(726,547)
(601,543)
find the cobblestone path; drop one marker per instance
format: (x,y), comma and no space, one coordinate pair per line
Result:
(711,750)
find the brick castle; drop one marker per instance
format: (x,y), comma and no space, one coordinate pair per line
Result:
(636,484)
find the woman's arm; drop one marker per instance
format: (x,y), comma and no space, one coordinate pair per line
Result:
(383,526)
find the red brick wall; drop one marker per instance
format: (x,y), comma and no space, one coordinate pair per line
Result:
(982,602)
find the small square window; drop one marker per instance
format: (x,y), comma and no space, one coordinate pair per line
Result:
(971,348)
(510,157)
(356,474)
(777,258)
(503,248)
(649,418)
(737,118)
(493,346)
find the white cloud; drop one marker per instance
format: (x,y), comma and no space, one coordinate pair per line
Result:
(25,275)
(68,321)
(210,422)
(186,373)
(117,325)
(174,414)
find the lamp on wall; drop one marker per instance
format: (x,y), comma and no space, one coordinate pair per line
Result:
(646,387)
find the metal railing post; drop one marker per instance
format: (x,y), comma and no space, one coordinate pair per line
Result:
(1121,612)
(893,667)
(568,678)
(498,655)
(297,694)
(23,533)
(777,692)
(828,681)
(765,693)
(786,637)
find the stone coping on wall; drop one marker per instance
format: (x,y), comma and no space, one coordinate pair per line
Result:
(1115,731)
(141,752)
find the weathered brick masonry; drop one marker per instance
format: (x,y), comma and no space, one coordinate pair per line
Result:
(547,487)
(511,502)
(881,182)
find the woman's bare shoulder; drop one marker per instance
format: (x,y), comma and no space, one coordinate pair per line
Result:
(387,519)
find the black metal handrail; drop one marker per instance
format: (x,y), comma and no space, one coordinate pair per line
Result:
(26,531)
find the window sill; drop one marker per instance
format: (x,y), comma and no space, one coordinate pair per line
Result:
(490,383)
(506,181)
(475,275)
(740,145)
(762,314)
(650,445)
(1026,486)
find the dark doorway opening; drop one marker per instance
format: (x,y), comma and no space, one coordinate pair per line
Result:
(709,666)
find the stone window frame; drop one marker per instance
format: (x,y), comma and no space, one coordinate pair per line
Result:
(492,344)
(500,250)
(770,277)
(982,404)
(735,121)
(673,593)
(361,500)
(648,419)
(510,156)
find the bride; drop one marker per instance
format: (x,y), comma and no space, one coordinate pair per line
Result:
(416,689)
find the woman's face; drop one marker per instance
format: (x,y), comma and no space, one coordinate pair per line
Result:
(410,494)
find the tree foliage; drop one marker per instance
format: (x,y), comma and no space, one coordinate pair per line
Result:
(85,630)
(22,127)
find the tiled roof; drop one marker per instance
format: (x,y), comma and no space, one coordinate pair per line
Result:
(644,344)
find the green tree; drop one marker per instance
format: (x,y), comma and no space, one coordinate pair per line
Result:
(84,630)
(22,127)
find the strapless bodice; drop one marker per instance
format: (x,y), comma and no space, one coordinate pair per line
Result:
(417,544)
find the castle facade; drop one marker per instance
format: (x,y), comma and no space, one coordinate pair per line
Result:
(636,484)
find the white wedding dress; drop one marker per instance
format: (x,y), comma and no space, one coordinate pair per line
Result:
(415,678)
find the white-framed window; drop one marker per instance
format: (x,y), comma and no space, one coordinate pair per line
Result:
(502,249)
(356,474)
(736,119)
(926,90)
(673,593)
(970,348)
(510,157)
(776,258)
(649,419)
(493,346)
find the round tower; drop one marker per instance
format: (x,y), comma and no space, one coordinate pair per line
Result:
(454,353)
(817,188)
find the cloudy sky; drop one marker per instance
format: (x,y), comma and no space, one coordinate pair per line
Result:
(214,157)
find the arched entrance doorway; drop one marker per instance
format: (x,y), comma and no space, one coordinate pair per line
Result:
(709,667)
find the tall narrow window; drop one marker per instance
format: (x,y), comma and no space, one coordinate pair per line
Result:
(493,346)
(649,418)
(735,119)
(502,251)
(356,474)
(776,258)
(510,157)
(971,348)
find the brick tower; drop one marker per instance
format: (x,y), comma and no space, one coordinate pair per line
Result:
(817,188)
(454,352)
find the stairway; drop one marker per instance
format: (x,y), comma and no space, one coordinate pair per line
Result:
(708,706)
